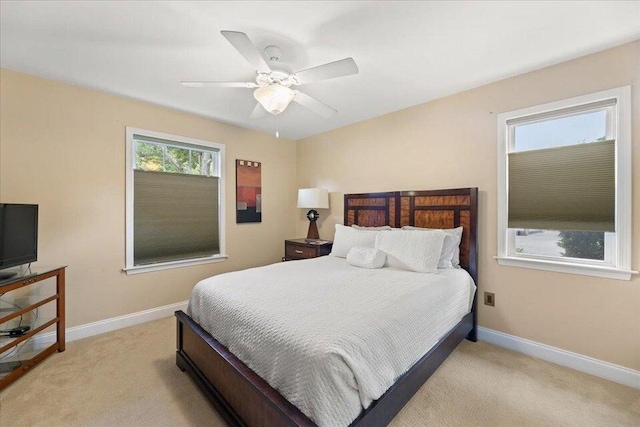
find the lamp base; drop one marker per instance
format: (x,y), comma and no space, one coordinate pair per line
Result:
(312,234)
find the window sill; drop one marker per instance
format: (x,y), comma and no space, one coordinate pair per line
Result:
(565,267)
(173,264)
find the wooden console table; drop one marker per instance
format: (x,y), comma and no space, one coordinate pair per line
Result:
(15,369)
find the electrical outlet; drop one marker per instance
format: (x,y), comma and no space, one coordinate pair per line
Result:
(490,299)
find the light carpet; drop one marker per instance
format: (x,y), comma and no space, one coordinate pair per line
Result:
(129,378)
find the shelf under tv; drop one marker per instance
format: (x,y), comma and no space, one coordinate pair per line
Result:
(11,370)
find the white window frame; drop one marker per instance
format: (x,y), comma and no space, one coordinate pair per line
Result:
(130,160)
(618,246)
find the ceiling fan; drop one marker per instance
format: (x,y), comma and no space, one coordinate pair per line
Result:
(274,79)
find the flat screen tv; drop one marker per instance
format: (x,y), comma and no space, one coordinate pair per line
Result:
(18,235)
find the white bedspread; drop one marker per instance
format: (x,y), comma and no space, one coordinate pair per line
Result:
(330,337)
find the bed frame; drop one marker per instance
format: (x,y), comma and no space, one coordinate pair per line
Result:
(245,399)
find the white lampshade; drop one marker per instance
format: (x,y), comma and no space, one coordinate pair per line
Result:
(313,198)
(274,98)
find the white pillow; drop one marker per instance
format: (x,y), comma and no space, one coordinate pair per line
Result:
(384,227)
(408,250)
(348,237)
(366,257)
(450,255)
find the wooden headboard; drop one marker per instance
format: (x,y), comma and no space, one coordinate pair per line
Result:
(428,209)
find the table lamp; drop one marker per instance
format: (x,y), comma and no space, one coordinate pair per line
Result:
(312,199)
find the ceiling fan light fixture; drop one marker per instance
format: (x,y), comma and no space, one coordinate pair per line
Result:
(274,98)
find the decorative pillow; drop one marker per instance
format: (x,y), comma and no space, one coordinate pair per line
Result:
(450,256)
(384,227)
(408,250)
(366,257)
(348,237)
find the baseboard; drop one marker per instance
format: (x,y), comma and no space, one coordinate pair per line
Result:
(112,324)
(589,365)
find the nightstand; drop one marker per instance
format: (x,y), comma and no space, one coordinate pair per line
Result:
(302,249)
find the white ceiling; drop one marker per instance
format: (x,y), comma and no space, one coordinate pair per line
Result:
(407,52)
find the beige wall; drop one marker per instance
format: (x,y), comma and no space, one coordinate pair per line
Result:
(63,147)
(451,143)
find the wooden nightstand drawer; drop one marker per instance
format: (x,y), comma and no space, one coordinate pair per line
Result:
(296,251)
(301,249)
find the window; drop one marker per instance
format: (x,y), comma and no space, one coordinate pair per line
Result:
(175,194)
(564,186)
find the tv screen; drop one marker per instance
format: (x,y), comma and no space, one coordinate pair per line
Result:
(18,234)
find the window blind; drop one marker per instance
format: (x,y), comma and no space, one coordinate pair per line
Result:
(175,217)
(563,188)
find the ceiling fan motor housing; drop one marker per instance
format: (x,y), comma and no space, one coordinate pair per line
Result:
(280,73)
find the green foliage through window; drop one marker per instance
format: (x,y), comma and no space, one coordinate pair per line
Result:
(582,244)
(163,158)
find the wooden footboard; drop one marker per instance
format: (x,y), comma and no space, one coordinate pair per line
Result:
(244,399)
(240,395)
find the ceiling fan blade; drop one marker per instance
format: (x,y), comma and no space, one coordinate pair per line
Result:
(220,84)
(344,67)
(314,105)
(258,112)
(247,49)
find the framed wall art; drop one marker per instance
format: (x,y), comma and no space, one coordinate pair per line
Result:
(248,191)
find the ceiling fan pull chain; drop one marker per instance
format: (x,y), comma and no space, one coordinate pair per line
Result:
(277,133)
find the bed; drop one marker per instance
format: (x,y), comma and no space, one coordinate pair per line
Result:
(244,398)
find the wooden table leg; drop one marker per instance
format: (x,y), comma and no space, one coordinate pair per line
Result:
(60,309)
